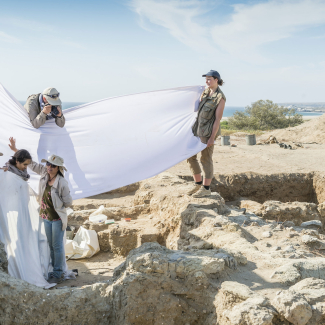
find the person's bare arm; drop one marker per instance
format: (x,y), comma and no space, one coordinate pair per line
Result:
(37,168)
(12,144)
(216,124)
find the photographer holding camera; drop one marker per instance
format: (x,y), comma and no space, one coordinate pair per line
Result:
(45,106)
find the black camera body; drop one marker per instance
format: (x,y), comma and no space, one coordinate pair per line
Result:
(54,111)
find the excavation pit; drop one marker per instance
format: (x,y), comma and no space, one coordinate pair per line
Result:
(284,187)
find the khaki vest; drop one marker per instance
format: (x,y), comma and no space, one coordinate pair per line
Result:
(207,113)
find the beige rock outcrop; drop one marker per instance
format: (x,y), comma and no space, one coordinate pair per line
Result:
(236,304)
(297,212)
(3,259)
(293,307)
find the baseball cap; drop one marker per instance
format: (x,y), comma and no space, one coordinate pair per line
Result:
(52,96)
(212,73)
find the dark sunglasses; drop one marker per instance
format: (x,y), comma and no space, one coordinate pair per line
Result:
(49,164)
(53,96)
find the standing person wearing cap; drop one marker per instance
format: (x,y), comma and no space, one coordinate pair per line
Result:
(54,197)
(45,106)
(207,128)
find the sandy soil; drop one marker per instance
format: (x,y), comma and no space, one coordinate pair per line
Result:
(99,268)
(265,159)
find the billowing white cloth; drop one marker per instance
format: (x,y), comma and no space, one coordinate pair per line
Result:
(109,143)
(23,234)
(22,231)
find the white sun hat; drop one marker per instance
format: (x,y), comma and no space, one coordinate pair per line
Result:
(52,96)
(55,160)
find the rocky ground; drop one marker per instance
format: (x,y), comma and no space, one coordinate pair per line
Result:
(252,253)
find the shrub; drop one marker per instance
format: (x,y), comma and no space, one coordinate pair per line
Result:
(224,125)
(264,115)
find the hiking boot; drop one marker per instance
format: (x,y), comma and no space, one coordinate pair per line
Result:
(194,189)
(202,192)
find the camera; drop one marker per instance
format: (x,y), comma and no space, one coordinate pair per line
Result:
(54,111)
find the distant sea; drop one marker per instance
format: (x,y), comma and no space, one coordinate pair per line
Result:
(65,105)
(229,110)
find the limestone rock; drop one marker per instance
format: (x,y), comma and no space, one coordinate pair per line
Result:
(293,307)
(307,239)
(3,259)
(251,206)
(288,224)
(311,232)
(312,223)
(296,212)
(23,303)
(118,213)
(321,209)
(267,234)
(122,240)
(313,290)
(291,273)
(236,304)
(95,226)
(156,285)
(78,218)
(287,274)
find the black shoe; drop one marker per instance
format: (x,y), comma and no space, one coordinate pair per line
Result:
(53,279)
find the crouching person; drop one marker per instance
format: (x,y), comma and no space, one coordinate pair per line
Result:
(45,106)
(54,198)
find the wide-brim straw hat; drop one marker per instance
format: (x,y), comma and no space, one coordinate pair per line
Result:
(57,161)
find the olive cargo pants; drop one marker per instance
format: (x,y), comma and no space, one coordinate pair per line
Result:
(206,161)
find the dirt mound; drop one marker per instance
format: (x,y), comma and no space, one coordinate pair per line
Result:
(308,132)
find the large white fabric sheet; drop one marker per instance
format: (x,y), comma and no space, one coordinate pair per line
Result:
(109,143)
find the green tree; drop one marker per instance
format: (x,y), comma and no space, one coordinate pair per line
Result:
(264,115)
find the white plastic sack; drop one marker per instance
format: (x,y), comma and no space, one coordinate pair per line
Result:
(84,245)
(98,216)
(98,211)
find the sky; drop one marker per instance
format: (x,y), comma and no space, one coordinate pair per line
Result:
(90,50)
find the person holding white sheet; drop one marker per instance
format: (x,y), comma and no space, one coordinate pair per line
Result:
(54,197)
(45,106)
(207,128)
